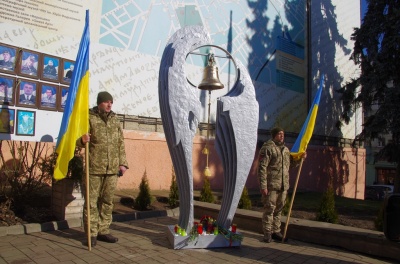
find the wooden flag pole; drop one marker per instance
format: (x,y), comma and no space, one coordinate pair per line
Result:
(87,197)
(291,201)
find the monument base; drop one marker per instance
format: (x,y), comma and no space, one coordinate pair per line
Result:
(201,241)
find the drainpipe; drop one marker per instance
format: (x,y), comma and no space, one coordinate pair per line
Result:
(309,57)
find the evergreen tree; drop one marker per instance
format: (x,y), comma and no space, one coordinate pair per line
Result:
(377,90)
(245,202)
(206,193)
(144,199)
(286,207)
(327,211)
(378,222)
(173,199)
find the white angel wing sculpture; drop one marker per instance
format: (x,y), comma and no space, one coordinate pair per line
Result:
(236,140)
(180,107)
(180,111)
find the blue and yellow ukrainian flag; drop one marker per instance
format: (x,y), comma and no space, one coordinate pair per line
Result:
(306,132)
(75,120)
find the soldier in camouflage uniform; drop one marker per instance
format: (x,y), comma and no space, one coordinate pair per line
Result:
(273,174)
(107,161)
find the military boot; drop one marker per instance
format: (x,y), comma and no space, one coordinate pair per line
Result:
(267,238)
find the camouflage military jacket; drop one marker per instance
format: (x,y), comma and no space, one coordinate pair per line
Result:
(273,166)
(106,146)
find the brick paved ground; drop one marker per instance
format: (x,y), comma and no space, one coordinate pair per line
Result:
(145,241)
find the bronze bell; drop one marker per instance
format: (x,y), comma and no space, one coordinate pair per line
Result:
(210,76)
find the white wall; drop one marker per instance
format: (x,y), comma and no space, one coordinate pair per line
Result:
(332,25)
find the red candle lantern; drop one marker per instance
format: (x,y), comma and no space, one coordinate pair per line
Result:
(233,228)
(200,229)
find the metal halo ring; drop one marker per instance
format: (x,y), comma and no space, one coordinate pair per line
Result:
(229,56)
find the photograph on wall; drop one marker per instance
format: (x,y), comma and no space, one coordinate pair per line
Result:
(7,90)
(26,123)
(26,93)
(50,68)
(48,96)
(63,97)
(7,117)
(67,70)
(8,56)
(29,64)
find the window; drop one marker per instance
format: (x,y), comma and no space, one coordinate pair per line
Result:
(385,175)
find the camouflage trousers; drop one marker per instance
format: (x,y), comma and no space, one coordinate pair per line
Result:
(101,195)
(273,206)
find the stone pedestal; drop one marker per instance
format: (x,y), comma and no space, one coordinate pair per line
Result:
(67,199)
(202,241)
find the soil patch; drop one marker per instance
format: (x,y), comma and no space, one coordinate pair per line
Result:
(39,214)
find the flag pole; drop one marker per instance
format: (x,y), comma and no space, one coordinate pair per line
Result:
(292,199)
(75,119)
(89,238)
(301,143)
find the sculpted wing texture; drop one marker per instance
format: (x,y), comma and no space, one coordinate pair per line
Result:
(236,125)
(180,111)
(236,139)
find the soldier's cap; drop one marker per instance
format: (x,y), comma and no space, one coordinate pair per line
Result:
(104,97)
(275,131)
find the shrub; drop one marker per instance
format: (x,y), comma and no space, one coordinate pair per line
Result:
(245,202)
(144,199)
(27,174)
(379,218)
(327,211)
(285,210)
(206,194)
(47,165)
(173,198)
(76,166)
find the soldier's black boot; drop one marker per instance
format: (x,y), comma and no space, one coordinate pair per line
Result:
(93,241)
(267,238)
(107,238)
(277,236)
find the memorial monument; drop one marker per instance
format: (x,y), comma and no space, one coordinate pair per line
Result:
(235,141)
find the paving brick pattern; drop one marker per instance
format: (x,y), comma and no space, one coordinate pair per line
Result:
(145,241)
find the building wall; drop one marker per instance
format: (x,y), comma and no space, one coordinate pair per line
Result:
(332,24)
(125,59)
(341,168)
(147,153)
(128,38)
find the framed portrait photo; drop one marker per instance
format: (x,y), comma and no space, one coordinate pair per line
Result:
(7,120)
(7,85)
(67,70)
(25,123)
(48,96)
(27,91)
(29,63)
(50,68)
(8,58)
(62,98)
